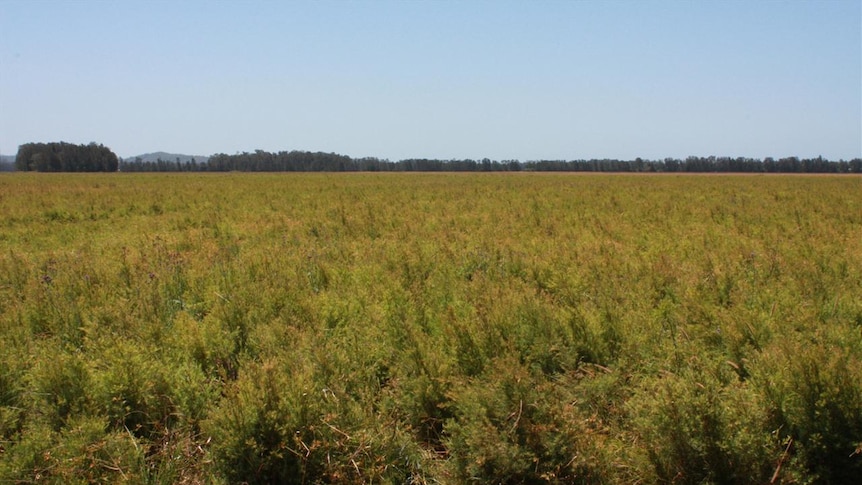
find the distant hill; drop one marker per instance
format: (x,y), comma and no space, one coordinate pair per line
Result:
(167,157)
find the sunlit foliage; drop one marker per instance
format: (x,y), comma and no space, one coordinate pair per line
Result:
(430,328)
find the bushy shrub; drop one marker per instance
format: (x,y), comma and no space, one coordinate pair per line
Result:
(60,384)
(82,453)
(511,426)
(699,425)
(13,365)
(276,426)
(812,389)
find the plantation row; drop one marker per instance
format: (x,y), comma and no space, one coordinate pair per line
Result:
(430,328)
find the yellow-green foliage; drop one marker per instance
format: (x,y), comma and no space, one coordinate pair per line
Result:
(430,328)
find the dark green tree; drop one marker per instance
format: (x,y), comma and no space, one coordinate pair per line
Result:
(66,157)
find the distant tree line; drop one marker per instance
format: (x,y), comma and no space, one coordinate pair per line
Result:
(68,157)
(161,165)
(303,161)
(703,165)
(65,157)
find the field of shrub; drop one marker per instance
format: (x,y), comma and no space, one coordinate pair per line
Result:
(430,328)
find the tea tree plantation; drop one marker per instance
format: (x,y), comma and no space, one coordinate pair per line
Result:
(430,328)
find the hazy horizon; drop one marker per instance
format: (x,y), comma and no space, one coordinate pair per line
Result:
(397,80)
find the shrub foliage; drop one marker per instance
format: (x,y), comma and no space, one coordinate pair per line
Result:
(430,328)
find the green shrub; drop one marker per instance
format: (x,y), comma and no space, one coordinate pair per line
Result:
(813,391)
(82,453)
(60,384)
(132,388)
(511,426)
(700,425)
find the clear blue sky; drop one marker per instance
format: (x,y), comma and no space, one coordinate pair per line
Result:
(443,79)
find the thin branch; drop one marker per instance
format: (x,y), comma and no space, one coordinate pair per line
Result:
(781,462)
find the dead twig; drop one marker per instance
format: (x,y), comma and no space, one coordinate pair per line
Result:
(781,461)
(518,417)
